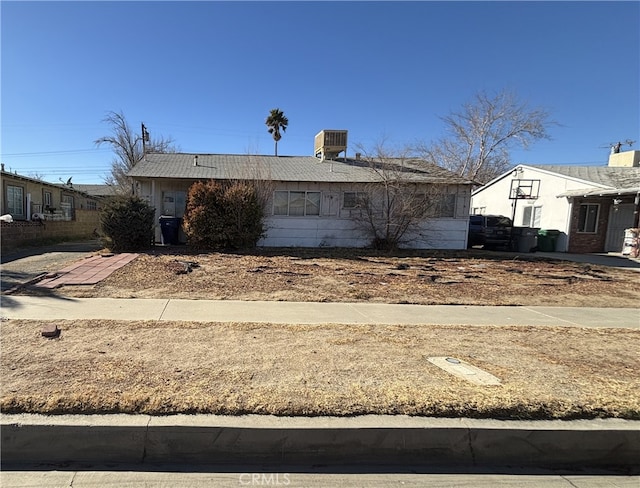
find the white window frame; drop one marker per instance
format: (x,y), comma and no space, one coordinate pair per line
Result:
(15,202)
(534,217)
(309,203)
(582,226)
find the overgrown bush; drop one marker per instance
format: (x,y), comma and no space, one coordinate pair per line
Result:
(127,223)
(223,215)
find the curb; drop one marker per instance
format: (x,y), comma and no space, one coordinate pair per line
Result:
(385,440)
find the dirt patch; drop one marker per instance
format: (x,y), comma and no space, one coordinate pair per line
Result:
(232,368)
(429,278)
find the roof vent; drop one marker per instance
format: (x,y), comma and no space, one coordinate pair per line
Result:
(330,143)
(195,160)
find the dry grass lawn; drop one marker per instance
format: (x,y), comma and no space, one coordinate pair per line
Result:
(233,368)
(333,369)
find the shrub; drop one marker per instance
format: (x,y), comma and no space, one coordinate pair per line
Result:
(223,216)
(127,223)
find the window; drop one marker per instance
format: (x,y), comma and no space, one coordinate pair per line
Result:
(446,206)
(47,199)
(437,206)
(15,201)
(92,205)
(296,203)
(531,216)
(354,199)
(588,218)
(67,206)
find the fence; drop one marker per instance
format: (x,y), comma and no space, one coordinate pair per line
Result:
(22,233)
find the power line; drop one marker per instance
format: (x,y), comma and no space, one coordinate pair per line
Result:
(44,153)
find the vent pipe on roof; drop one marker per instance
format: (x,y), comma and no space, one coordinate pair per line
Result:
(195,160)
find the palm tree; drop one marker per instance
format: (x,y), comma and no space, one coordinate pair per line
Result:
(276,121)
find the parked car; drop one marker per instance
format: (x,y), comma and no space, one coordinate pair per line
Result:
(489,231)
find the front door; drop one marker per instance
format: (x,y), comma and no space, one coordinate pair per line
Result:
(620,219)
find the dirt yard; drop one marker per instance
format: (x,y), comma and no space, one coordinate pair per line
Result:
(333,369)
(430,278)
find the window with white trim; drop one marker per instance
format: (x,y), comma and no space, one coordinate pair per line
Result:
(47,199)
(15,201)
(588,218)
(296,203)
(531,216)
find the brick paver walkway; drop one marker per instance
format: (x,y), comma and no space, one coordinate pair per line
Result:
(89,271)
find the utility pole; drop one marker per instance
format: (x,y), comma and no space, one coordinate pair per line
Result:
(145,138)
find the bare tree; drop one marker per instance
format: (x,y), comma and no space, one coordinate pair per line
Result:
(129,148)
(396,203)
(481,136)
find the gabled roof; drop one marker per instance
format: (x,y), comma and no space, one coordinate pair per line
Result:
(281,168)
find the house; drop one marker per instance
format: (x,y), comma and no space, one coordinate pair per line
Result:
(41,210)
(313,201)
(591,206)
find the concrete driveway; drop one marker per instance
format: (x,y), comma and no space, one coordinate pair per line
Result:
(26,264)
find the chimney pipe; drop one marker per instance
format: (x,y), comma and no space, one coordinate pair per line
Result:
(195,160)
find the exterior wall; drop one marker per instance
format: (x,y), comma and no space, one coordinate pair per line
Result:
(555,212)
(335,226)
(23,233)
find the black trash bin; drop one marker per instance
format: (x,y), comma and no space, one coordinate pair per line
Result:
(170,228)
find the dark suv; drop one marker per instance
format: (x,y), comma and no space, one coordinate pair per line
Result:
(490,231)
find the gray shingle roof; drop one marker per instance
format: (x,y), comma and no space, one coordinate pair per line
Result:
(610,177)
(96,190)
(279,168)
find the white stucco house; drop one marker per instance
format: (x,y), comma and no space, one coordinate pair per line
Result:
(313,199)
(591,206)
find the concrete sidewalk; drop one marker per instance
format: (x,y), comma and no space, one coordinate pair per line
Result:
(58,307)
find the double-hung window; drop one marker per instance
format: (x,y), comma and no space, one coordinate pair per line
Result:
(296,203)
(588,218)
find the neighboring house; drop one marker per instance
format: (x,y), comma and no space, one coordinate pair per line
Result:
(591,206)
(22,197)
(313,201)
(42,211)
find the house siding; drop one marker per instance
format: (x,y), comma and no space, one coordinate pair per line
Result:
(335,226)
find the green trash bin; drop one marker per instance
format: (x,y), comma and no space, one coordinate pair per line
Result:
(547,239)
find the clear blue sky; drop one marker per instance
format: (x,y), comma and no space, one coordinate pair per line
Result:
(207,73)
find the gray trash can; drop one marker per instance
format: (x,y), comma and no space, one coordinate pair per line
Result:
(525,239)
